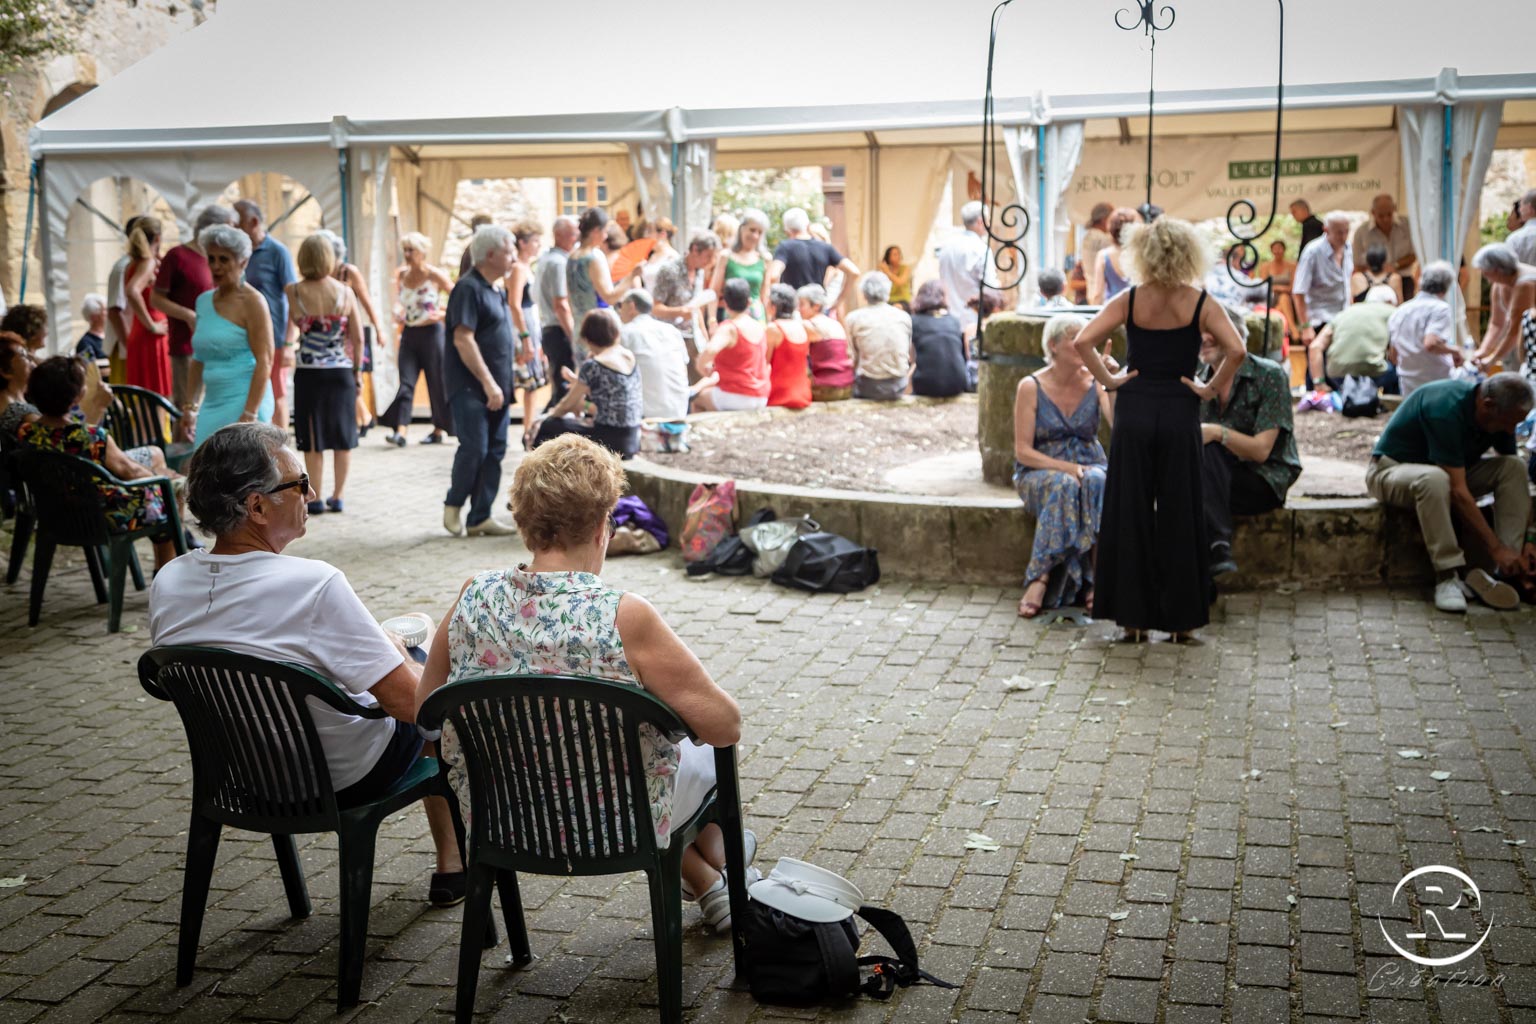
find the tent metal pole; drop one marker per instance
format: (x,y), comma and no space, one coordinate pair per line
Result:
(344,172)
(677,189)
(1042,223)
(1447,185)
(26,238)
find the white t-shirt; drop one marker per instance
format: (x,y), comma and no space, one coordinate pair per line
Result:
(117,298)
(662,356)
(960,267)
(1423,315)
(282,608)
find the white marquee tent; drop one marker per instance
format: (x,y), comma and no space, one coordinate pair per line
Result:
(400,100)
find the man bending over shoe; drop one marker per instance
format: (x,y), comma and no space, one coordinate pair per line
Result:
(1430,459)
(249,492)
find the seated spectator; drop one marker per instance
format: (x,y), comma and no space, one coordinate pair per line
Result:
(1249,436)
(609,380)
(1375,274)
(880,341)
(660,353)
(1430,459)
(831,368)
(31,322)
(1052,283)
(248,491)
(92,343)
(788,345)
(573,623)
(56,386)
(938,345)
(15,370)
(900,273)
(1355,344)
(1059,470)
(986,305)
(737,357)
(1422,332)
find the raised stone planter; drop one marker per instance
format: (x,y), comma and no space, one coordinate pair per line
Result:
(987,540)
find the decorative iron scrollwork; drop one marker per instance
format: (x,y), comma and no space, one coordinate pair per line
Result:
(1146,18)
(1006,251)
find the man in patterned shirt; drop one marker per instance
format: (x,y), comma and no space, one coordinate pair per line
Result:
(680,290)
(1250,448)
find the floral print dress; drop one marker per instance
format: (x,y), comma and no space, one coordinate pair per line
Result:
(518,622)
(128,508)
(1066,512)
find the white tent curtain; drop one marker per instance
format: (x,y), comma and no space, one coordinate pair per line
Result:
(912,180)
(1063,152)
(1474,127)
(697,172)
(435,189)
(372,250)
(651,163)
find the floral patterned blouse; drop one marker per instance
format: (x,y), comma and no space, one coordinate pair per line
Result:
(128,508)
(519,622)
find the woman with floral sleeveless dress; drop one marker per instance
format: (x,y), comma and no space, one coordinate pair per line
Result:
(556,616)
(325,380)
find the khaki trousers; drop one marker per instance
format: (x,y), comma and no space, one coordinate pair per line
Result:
(1427,490)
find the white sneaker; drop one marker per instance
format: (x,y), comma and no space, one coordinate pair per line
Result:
(716,902)
(453,520)
(1493,593)
(491,527)
(1448,596)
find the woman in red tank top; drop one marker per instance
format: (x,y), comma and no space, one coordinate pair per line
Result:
(737,356)
(788,344)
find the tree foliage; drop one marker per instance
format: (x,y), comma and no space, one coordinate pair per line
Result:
(32,30)
(771,191)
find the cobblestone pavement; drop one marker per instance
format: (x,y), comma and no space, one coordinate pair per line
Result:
(1185,834)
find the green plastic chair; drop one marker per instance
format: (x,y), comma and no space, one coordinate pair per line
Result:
(257,764)
(134,421)
(68,510)
(527,814)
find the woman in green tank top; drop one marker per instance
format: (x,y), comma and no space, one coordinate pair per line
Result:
(744,260)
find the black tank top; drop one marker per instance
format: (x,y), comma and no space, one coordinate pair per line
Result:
(1160,356)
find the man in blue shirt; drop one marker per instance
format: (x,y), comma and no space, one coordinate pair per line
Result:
(269,271)
(477,379)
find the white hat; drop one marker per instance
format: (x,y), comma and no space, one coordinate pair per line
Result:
(807,891)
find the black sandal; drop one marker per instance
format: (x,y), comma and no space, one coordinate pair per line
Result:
(447,888)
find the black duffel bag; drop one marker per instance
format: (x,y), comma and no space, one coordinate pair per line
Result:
(828,563)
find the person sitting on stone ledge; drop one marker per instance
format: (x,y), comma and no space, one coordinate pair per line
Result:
(831,367)
(880,340)
(556,615)
(1059,468)
(248,491)
(1430,459)
(1249,450)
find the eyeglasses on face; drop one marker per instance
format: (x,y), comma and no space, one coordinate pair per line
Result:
(302,484)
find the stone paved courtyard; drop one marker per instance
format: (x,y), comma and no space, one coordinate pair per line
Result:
(1186,835)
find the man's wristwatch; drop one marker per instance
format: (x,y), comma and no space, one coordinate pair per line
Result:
(1223,435)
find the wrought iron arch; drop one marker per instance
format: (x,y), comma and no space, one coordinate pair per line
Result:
(1013,219)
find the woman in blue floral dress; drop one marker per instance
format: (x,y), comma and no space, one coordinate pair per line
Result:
(555,615)
(1059,470)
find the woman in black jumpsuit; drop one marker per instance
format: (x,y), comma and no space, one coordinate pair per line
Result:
(1152,563)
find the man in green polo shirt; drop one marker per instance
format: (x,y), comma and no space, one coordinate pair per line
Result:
(1250,459)
(1430,459)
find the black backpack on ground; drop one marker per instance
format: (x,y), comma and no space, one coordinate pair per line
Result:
(795,962)
(828,563)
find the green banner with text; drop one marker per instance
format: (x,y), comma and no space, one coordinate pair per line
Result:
(1310,166)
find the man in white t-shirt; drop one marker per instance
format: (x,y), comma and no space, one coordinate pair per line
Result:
(249,492)
(1422,333)
(660,353)
(963,261)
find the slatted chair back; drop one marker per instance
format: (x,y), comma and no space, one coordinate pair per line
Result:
(135,418)
(65,495)
(257,762)
(556,772)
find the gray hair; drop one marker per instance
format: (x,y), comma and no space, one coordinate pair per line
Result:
(970,213)
(487,239)
(1497,257)
(1509,392)
(337,245)
(796,219)
(1335,217)
(782,298)
(247,208)
(227,237)
(92,305)
(704,241)
(210,215)
(875,287)
(814,294)
(1437,278)
(1057,329)
(235,462)
(1052,282)
(641,298)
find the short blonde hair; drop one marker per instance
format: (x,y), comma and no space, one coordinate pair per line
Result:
(563,490)
(1168,252)
(317,258)
(416,240)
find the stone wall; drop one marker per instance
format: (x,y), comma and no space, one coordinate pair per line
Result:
(112,35)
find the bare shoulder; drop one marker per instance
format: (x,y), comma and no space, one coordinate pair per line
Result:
(637,618)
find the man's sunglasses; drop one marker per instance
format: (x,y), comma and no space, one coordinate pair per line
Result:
(302,483)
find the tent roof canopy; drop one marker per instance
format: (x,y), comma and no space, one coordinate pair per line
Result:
(1058,62)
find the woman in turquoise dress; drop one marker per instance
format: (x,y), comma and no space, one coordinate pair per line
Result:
(1059,470)
(231,343)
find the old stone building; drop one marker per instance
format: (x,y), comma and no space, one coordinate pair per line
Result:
(107,36)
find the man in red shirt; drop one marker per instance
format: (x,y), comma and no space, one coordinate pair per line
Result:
(182,277)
